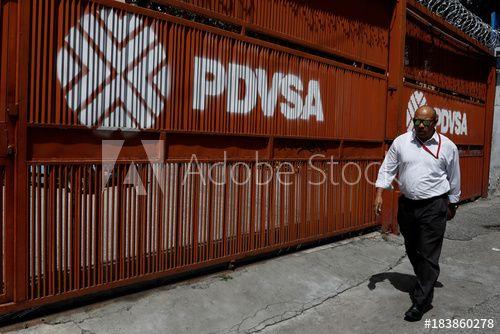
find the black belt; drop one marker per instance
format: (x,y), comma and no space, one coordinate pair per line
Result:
(423,201)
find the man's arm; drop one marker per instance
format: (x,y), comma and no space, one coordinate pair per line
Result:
(453,176)
(386,175)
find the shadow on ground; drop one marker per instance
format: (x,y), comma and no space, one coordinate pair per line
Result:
(400,281)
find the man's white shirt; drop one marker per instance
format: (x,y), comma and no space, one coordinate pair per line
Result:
(420,174)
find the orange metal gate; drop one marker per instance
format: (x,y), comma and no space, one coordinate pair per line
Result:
(120,115)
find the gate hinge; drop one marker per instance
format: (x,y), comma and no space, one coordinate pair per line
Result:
(12,109)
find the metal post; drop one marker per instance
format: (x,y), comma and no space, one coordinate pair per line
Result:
(20,174)
(397,35)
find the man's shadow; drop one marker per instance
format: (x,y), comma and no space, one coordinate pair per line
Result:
(402,282)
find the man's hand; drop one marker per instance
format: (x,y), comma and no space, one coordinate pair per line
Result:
(378,205)
(452,210)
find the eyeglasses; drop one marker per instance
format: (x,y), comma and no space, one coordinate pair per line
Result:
(425,122)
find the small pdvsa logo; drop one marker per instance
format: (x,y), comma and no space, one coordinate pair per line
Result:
(113,71)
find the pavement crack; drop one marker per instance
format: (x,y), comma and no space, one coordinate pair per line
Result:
(78,322)
(304,307)
(236,328)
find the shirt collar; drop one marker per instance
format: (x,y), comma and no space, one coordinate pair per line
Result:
(435,137)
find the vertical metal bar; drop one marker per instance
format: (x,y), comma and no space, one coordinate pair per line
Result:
(488,129)
(195,217)
(322,195)
(272,207)
(128,234)
(84,226)
(61,187)
(66,240)
(51,229)
(2,222)
(111,224)
(397,35)
(77,232)
(160,250)
(142,227)
(100,221)
(31,229)
(238,207)
(293,220)
(135,231)
(120,227)
(20,286)
(253,211)
(105,227)
(91,181)
(38,256)
(225,211)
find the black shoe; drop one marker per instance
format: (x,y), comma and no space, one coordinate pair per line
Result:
(416,312)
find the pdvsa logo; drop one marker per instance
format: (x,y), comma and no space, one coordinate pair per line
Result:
(449,121)
(113,71)
(244,86)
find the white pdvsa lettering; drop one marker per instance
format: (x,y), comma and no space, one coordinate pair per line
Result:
(453,122)
(212,79)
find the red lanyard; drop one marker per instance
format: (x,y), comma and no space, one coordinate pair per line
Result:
(429,151)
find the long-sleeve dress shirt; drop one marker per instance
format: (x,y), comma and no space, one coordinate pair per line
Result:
(420,174)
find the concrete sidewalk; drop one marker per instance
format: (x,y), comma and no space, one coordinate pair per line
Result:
(358,285)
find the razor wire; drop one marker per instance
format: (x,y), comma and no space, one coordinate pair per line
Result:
(456,13)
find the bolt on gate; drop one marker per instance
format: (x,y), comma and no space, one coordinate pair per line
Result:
(137,143)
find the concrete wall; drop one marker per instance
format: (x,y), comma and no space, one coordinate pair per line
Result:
(495,148)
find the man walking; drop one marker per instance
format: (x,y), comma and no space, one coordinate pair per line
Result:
(427,164)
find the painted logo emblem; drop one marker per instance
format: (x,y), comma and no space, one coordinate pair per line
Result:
(449,121)
(113,71)
(417,100)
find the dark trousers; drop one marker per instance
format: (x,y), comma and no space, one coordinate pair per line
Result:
(422,224)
